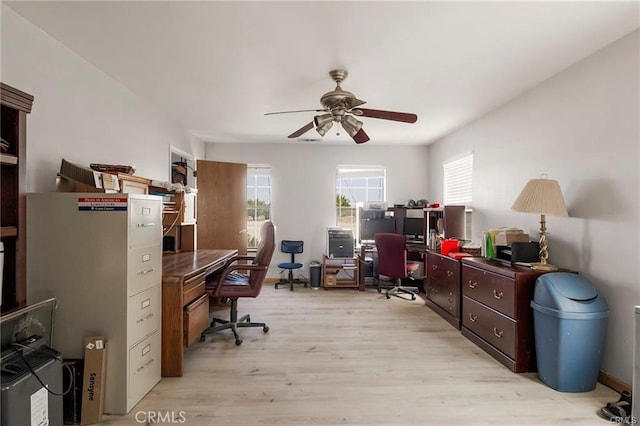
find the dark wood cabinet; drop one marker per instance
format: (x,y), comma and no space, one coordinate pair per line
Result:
(496,314)
(442,286)
(15,106)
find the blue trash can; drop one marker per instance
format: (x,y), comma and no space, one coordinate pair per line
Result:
(570,321)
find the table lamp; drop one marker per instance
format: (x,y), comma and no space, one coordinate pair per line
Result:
(542,196)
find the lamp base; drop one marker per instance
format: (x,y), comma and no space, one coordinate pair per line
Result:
(547,267)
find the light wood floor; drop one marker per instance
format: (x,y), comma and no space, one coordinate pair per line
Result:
(353,358)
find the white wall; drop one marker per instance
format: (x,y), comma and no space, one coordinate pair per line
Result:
(581,128)
(79,113)
(303,180)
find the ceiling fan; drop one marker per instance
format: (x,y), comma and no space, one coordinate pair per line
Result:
(340,106)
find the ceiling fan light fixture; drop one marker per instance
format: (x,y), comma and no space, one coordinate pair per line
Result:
(321,120)
(351,125)
(324,128)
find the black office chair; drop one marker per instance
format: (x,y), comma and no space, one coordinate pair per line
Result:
(293,248)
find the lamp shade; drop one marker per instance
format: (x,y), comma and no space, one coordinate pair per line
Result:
(541,196)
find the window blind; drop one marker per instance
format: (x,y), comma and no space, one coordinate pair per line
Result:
(458,180)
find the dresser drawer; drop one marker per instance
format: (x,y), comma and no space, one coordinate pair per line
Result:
(444,296)
(145,226)
(196,319)
(144,367)
(443,268)
(497,329)
(495,291)
(144,314)
(144,268)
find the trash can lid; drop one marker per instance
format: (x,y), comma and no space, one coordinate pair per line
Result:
(567,292)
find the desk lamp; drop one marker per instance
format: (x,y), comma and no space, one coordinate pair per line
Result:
(542,196)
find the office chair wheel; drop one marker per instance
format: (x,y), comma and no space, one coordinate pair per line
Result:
(413,297)
(202,338)
(265,329)
(379,290)
(238,341)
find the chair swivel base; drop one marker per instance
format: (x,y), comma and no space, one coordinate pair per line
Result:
(233,324)
(290,281)
(398,290)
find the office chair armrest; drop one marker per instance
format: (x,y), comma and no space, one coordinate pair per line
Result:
(236,258)
(231,268)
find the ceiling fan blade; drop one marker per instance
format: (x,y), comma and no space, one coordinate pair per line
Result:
(302,130)
(361,136)
(289,112)
(387,115)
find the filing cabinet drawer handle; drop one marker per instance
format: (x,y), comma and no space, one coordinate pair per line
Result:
(145,271)
(144,318)
(146,225)
(472,284)
(473,318)
(497,295)
(497,333)
(449,273)
(148,363)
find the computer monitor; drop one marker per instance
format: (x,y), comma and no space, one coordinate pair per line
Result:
(413,228)
(371,227)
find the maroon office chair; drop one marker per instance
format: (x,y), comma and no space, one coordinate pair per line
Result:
(392,263)
(231,284)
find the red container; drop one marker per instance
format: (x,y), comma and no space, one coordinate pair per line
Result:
(448,246)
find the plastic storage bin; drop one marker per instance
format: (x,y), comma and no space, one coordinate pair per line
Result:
(570,320)
(315,272)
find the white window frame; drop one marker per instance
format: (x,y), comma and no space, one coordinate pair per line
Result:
(367,172)
(253,226)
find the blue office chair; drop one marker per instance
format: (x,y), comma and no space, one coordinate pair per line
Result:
(293,248)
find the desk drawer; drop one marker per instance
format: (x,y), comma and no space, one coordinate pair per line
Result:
(144,314)
(196,319)
(495,328)
(144,367)
(495,291)
(144,268)
(192,290)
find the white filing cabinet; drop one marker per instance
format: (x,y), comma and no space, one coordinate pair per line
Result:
(100,256)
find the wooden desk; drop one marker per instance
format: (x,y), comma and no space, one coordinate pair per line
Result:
(185,305)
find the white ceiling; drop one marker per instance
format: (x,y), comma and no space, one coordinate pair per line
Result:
(217,67)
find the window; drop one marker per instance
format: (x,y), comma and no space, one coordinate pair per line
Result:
(258,202)
(458,183)
(354,186)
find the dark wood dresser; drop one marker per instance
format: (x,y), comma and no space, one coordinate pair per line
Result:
(442,286)
(496,312)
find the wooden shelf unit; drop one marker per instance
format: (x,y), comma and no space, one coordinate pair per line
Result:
(15,106)
(340,272)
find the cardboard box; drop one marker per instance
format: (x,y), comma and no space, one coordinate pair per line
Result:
(95,357)
(508,236)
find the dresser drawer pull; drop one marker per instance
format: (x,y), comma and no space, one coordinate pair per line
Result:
(497,333)
(145,271)
(434,267)
(450,299)
(148,363)
(449,273)
(144,318)
(435,290)
(472,284)
(473,318)
(146,225)
(497,295)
